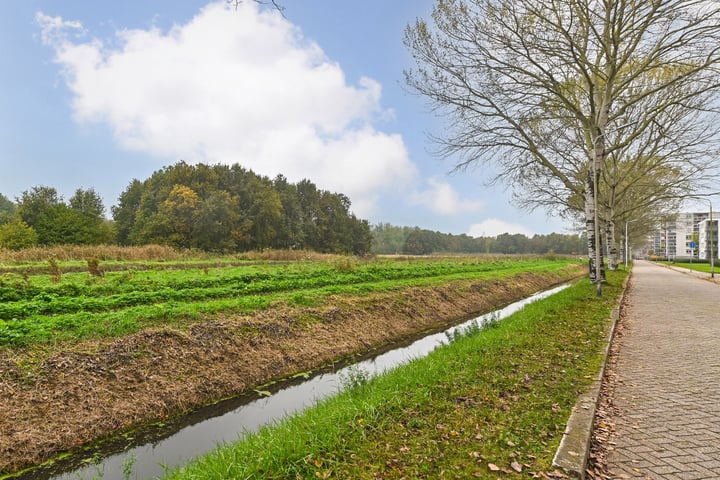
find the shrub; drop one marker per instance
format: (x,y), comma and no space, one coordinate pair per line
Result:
(17,235)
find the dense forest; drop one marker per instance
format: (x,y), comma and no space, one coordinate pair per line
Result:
(215,208)
(223,208)
(389,239)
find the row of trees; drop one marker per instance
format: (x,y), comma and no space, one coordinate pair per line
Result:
(389,239)
(605,111)
(214,208)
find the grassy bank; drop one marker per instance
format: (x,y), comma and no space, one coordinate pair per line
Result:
(703,266)
(493,403)
(84,357)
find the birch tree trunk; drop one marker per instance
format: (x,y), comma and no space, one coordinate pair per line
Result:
(590,206)
(612,245)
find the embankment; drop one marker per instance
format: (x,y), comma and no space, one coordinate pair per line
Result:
(57,398)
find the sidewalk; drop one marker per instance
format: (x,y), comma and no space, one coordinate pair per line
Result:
(668,393)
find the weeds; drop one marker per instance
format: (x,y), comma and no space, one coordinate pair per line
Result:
(55,272)
(94,267)
(486,322)
(128,465)
(103,252)
(354,378)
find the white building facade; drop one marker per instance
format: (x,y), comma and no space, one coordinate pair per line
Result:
(708,239)
(674,239)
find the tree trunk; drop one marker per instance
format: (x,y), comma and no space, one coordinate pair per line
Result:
(590,227)
(612,245)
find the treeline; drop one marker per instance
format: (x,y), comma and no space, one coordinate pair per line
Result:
(214,208)
(389,239)
(221,208)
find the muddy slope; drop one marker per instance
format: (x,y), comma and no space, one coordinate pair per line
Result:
(54,400)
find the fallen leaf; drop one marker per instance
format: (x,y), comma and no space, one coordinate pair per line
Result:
(493,467)
(516,466)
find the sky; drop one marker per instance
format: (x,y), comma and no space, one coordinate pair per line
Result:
(98,93)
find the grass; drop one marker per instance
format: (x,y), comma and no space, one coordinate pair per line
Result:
(41,308)
(703,266)
(491,403)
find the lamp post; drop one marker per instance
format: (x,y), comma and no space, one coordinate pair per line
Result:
(712,235)
(712,247)
(627,242)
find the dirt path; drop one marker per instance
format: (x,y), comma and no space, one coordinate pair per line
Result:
(56,399)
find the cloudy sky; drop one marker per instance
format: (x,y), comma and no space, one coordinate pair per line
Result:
(95,94)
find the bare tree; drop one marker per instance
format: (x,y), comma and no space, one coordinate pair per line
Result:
(274,3)
(547,90)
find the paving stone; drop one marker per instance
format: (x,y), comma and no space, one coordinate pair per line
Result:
(668,370)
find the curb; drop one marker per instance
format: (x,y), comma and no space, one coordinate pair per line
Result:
(572,455)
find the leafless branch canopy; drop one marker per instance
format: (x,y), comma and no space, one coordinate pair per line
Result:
(537,88)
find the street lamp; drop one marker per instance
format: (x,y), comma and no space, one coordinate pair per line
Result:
(712,236)
(712,247)
(627,242)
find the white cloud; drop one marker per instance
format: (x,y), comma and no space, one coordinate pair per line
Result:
(492,227)
(440,197)
(55,30)
(236,86)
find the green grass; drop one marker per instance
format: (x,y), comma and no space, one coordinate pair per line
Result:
(499,396)
(699,267)
(36,310)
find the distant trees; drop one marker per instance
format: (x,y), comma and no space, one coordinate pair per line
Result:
(389,239)
(228,208)
(7,209)
(80,221)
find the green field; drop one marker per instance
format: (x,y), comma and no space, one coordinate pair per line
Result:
(72,300)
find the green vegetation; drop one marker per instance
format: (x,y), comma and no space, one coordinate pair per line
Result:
(80,221)
(60,305)
(228,209)
(215,208)
(495,400)
(697,265)
(389,239)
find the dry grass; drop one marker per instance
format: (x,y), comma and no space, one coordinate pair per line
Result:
(289,255)
(68,253)
(65,253)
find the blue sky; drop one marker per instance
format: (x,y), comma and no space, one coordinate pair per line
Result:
(95,94)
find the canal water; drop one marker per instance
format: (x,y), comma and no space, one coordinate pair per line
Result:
(149,454)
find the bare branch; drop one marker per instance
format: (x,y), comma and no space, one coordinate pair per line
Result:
(274,3)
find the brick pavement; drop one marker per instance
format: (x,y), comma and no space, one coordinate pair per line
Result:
(668,394)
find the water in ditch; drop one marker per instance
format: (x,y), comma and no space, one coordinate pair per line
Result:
(149,454)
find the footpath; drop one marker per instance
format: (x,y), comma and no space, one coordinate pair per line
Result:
(668,369)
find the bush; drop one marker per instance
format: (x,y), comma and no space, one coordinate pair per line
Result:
(16,235)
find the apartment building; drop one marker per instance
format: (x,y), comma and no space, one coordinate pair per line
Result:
(674,239)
